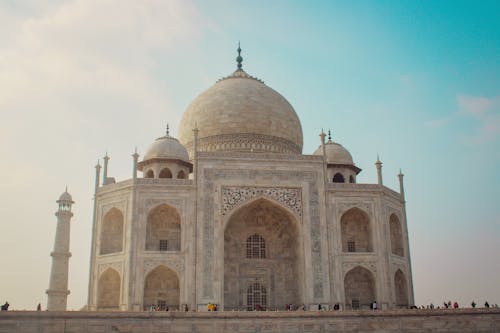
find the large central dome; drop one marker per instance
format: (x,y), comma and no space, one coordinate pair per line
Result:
(241,113)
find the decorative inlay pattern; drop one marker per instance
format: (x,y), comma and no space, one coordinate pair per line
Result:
(245,142)
(117,266)
(364,206)
(371,266)
(172,263)
(234,196)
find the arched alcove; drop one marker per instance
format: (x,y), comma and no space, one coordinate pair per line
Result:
(351,179)
(108,290)
(181,175)
(396,236)
(150,174)
(262,244)
(359,288)
(165,173)
(356,231)
(401,290)
(112,232)
(338,178)
(161,288)
(163,229)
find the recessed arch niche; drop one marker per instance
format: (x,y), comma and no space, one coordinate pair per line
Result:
(108,290)
(277,268)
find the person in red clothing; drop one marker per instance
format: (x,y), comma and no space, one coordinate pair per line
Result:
(455,305)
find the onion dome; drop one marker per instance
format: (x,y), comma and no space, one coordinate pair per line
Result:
(65,197)
(336,154)
(165,149)
(241,113)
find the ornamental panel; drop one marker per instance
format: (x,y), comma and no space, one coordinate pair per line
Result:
(234,196)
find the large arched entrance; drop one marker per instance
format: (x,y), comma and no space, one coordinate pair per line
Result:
(161,289)
(262,259)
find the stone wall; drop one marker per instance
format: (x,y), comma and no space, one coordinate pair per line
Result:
(442,321)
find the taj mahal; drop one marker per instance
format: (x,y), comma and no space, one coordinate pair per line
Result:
(232,212)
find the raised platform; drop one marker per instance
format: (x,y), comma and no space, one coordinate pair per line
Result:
(461,320)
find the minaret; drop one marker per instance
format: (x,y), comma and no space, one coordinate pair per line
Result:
(378,164)
(401,185)
(105,171)
(58,286)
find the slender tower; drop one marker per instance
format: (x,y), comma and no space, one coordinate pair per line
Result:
(58,286)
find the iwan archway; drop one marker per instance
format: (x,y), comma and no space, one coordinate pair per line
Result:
(263,262)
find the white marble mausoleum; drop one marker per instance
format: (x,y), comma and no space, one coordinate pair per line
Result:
(233,212)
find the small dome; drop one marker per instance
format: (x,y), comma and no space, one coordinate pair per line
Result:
(166,147)
(335,153)
(65,197)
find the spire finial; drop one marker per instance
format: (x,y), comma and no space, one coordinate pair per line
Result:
(239,59)
(329,135)
(66,190)
(168,130)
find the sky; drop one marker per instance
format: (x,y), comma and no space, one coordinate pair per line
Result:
(417,82)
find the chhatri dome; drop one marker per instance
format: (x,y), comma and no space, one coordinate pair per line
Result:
(335,153)
(166,147)
(241,113)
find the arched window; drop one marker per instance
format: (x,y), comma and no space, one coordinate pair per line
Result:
(181,175)
(256,297)
(351,179)
(112,232)
(396,236)
(165,173)
(338,178)
(256,247)
(401,290)
(108,290)
(356,231)
(150,174)
(359,288)
(163,229)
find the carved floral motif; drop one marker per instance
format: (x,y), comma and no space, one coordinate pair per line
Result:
(233,196)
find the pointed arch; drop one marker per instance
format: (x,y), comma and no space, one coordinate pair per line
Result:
(150,174)
(269,231)
(351,179)
(112,232)
(359,288)
(396,236)
(165,173)
(181,175)
(338,178)
(161,288)
(108,290)
(163,229)
(401,290)
(356,231)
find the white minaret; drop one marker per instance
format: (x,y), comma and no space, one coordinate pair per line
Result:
(58,286)
(378,164)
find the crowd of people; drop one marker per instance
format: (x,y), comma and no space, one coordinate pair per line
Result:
(454,305)
(291,307)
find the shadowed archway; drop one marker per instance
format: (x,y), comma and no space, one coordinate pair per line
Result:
(262,253)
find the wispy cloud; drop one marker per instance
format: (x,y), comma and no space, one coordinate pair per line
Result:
(486,111)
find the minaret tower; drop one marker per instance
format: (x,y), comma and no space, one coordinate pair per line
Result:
(58,286)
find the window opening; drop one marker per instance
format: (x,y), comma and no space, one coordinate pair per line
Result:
(256,247)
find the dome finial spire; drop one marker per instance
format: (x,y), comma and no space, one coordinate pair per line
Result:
(329,135)
(239,59)
(168,130)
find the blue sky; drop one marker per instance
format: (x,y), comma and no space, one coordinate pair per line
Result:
(417,82)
